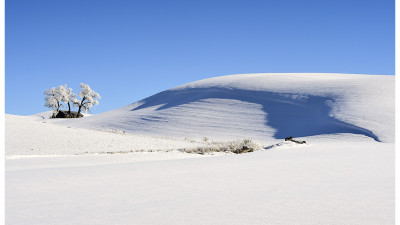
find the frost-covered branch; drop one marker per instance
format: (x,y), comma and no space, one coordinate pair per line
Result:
(53,99)
(89,98)
(56,96)
(67,96)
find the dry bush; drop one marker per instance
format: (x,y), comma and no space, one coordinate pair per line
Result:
(237,147)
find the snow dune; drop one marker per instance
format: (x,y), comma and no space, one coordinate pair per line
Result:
(263,107)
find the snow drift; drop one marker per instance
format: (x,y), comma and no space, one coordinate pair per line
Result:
(264,107)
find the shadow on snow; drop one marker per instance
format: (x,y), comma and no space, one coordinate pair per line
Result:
(290,115)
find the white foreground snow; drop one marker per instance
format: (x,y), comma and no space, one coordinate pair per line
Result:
(63,172)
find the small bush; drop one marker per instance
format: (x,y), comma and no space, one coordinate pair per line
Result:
(116,131)
(237,147)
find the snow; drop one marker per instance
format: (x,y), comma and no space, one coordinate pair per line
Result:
(262,107)
(125,166)
(317,184)
(27,135)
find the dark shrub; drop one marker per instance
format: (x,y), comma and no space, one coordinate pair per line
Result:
(65,114)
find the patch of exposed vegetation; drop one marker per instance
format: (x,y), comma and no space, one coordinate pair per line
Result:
(234,147)
(237,147)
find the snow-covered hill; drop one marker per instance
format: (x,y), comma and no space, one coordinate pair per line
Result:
(88,171)
(264,107)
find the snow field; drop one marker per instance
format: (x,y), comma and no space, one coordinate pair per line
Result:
(27,136)
(126,166)
(350,182)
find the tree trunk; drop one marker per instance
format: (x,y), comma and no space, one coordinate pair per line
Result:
(79,111)
(58,106)
(69,110)
(80,107)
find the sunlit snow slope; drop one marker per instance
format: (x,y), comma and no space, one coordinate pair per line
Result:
(261,106)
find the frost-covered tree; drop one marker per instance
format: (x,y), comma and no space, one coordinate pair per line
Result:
(67,96)
(53,99)
(89,98)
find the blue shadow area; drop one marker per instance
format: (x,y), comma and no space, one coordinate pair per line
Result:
(290,115)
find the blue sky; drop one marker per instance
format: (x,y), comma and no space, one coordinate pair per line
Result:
(128,50)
